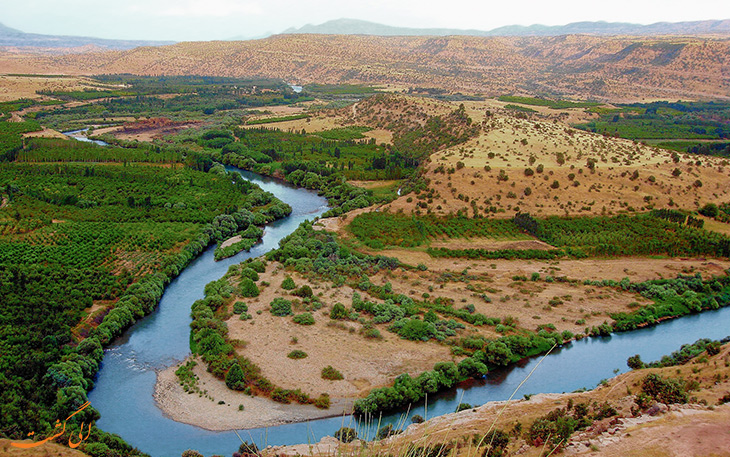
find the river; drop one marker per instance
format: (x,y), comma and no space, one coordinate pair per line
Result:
(124,388)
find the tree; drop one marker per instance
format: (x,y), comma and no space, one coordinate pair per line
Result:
(634,362)
(248,288)
(338,311)
(234,378)
(710,210)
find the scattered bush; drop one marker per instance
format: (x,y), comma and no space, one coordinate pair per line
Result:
(280,307)
(339,312)
(331,374)
(665,390)
(304,319)
(288,284)
(240,307)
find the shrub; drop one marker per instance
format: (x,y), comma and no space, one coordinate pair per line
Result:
(240,307)
(248,449)
(234,378)
(257,265)
(417,419)
(495,441)
(338,311)
(188,453)
(463,407)
(713,348)
(288,284)
(346,434)
(555,184)
(331,374)
(372,333)
(554,428)
(322,402)
(248,288)
(304,319)
(665,390)
(297,354)
(414,329)
(386,431)
(249,273)
(304,292)
(634,362)
(280,307)
(710,210)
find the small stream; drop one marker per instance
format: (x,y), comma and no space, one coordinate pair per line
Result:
(81,136)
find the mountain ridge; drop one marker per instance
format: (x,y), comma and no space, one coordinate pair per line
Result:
(572,66)
(14,38)
(347,26)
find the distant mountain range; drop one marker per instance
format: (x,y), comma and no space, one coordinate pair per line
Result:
(13,38)
(358,27)
(10,37)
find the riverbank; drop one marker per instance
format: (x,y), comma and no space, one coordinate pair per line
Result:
(209,413)
(698,428)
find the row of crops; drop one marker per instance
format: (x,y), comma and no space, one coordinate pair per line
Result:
(379,229)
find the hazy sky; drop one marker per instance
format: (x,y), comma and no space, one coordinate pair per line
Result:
(224,19)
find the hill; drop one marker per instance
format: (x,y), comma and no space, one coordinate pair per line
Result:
(346,26)
(614,69)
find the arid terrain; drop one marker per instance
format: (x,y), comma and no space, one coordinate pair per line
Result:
(605,68)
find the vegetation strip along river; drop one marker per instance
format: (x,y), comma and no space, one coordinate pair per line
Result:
(123,393)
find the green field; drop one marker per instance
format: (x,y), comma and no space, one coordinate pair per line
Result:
(664,120)
(552,104)
(379,229)
(92,228)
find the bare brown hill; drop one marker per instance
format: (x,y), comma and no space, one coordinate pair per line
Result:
(611,68)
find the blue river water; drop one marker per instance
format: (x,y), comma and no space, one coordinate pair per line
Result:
(123,392)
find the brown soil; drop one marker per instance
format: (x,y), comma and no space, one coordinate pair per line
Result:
(49,449)
(15,87)
(208,413)
(628,177)
(46,133)
(365,363)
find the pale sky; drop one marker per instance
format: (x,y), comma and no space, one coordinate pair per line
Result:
(223,19)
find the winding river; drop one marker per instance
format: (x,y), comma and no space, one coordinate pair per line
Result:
(125,383)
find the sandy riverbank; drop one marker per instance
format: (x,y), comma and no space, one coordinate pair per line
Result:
(257,412)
